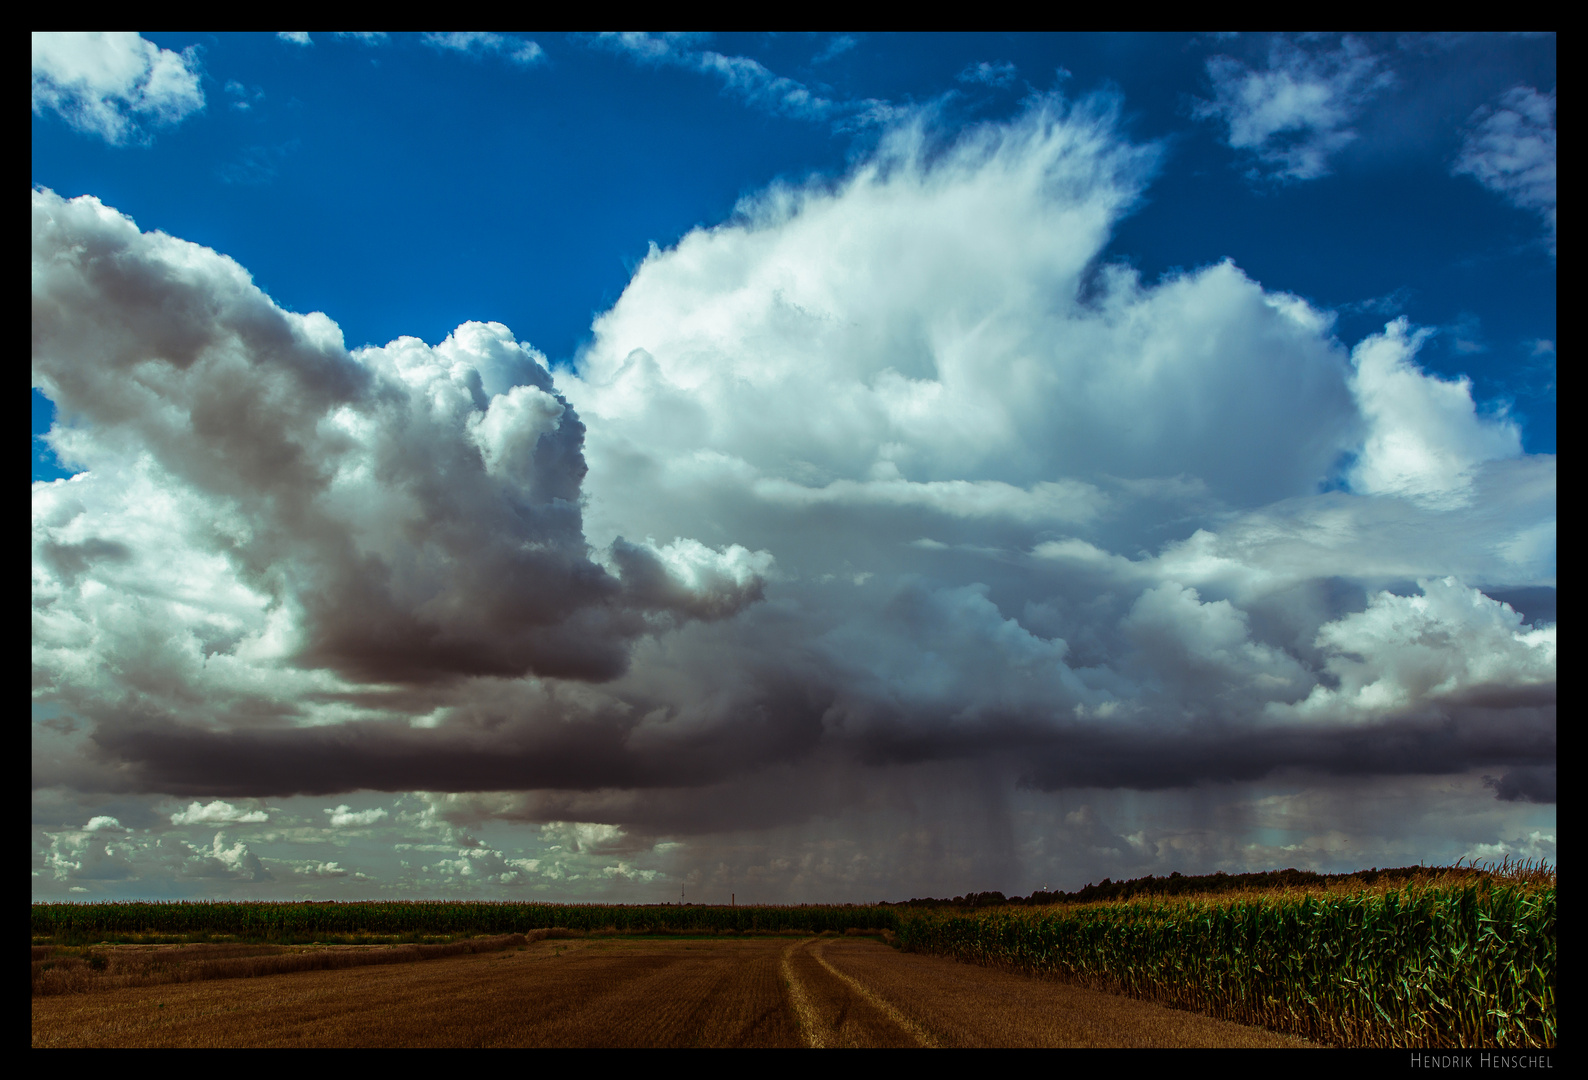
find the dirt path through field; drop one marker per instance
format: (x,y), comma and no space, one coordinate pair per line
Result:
(821,992)
(944,1003)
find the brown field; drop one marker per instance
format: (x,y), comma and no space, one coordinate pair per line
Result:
(115,967)
(824,992)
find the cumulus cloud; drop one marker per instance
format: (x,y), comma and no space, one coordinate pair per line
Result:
(405,514)
(1204,651)
(1509,148)
(691,579)
(1406,653)
(217,811)
(583,836)
(107,84)
(345,817)
(484,867)
(73,859)
(1425,436)
(1296,112)
(1531,847)
(321,870)
(295,37)
(236,862)
(80,856)
(884,488)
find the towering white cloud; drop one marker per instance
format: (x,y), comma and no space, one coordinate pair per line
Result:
(918,338)
(861,380)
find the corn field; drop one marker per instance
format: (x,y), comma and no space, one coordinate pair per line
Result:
(1433,966)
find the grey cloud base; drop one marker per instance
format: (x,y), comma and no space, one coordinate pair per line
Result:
(595,757)
(883,479)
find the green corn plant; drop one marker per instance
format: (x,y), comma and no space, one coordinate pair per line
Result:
(1468,965)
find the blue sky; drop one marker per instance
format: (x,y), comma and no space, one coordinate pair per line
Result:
(978,401)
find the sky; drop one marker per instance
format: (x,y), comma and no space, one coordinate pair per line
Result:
(797,468)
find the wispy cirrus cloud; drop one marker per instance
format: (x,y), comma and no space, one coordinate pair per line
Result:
(995,74)
(1509,148)
(1294,113)
(515,50)
(748,79)
(256,165)
(246,98)
(835,48)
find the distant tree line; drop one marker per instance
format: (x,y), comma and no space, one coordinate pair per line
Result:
(1176,884)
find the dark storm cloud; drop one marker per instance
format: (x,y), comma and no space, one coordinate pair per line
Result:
(1455,743)
(1535,784)
(477,749)
(419,508)
(784,722)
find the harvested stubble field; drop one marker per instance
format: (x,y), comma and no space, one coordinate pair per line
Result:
(821,991)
